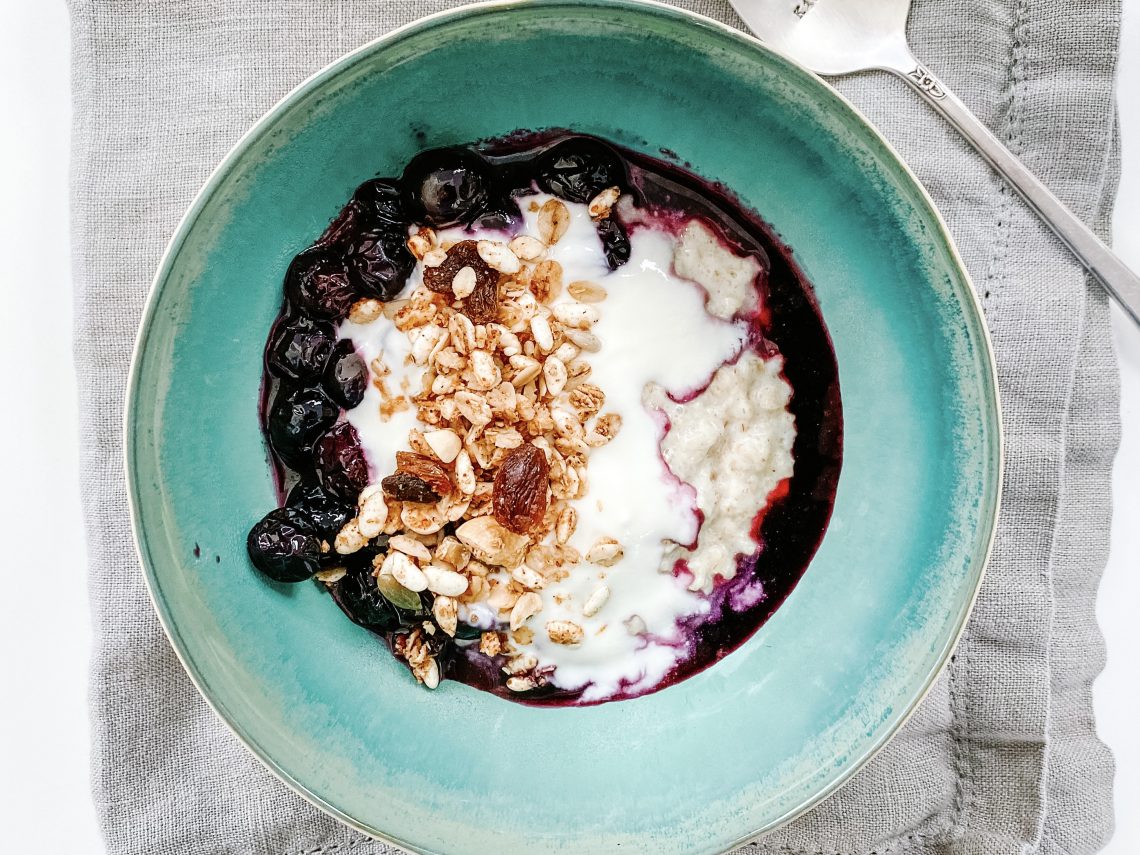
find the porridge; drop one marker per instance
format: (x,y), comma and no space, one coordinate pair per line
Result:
(554,419)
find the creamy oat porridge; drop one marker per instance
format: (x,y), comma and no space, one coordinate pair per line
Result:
(538,412)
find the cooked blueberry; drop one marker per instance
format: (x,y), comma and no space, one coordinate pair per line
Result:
(352,218)
(580,168)
(504,216)
(297,419)
(446,187)
(341,464)
(329,513)
(299,347)
(615,242)
(376,204)
(380,261)
(285,546)
(346,376)
(359,598)
(381,200)
(319,285)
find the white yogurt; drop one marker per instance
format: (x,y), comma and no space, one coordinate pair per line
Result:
(656,334)
(382,431)
(653,329)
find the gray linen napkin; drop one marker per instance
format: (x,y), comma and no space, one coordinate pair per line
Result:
(1001,757)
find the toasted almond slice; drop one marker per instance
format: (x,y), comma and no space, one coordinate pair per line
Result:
(349,539)
(498,256)
(521,663)
(553,221)
(409,546)
(404,571)
(543,336)
(527,248)
(528,605)
(421,243)
(528,578)
(586,292)
(527,369)
(434,257)
(555,373)
(492,542)
(601,204)
(566,524)
(330,574)
(546,280)
(596,601)
(446,612)
(441,580)
(373,512)
(365,311)
(564,632)
(464,282)
(576,315)
(606,551)
(445,444)
(464,473)
(585,339)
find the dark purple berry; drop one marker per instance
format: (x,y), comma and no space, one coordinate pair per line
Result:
(381,201)
(328,512)
(340,460)
(318,284)
(285,546)
(352,219)
(346,376)
(615,242)
(504,216)
(376,204)
(297,419)
(380,261)
(579,169)
(359,597)
(446,187)
(299,347)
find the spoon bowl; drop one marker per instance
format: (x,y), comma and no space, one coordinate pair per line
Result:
(835,38)
(832,37)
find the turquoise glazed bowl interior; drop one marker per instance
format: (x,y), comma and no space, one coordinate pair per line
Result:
(717,758)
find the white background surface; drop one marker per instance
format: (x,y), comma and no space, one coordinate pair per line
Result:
(45,805)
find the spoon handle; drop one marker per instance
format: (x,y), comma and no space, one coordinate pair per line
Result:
(1101,262)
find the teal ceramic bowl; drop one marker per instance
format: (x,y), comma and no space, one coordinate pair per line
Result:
(728,753)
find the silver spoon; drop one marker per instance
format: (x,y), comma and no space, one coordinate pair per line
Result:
(833,37)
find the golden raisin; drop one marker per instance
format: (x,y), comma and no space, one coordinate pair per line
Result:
(519,492)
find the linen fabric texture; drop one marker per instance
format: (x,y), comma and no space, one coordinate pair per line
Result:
(1000,758)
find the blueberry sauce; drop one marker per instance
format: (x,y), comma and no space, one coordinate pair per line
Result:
(311,378)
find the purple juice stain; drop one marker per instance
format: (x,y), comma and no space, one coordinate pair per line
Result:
(789,529)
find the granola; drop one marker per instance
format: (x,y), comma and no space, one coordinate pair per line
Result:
(535,432)
(505,425)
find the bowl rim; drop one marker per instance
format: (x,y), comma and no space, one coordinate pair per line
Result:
(330,70)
